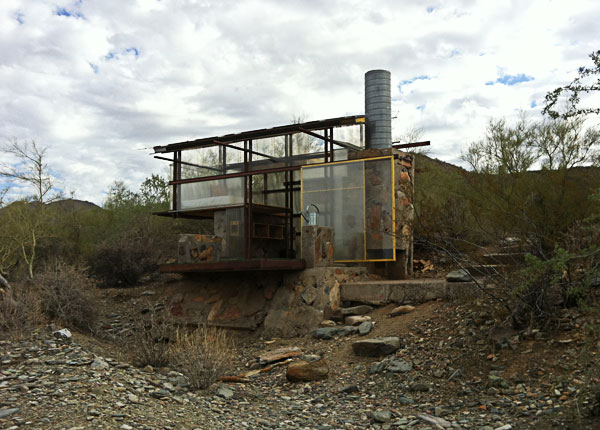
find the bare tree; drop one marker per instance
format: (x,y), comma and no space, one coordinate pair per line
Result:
(30,168)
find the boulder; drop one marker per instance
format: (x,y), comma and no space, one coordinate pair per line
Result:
(376,347)
(304,371)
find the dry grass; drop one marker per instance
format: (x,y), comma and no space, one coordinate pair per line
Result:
(203,355)
(151,339)
(20,311)
(64,295)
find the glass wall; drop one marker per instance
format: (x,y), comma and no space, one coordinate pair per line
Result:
(356,199)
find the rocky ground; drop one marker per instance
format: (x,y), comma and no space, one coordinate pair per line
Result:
(453,369)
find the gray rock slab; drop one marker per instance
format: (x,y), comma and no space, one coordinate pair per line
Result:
(365,328)
(376,347)
(356,310)
(9,411)
(460,275)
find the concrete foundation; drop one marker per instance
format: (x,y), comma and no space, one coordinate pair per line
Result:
(413,291)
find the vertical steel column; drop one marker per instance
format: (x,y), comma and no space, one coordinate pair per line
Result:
(331,144)
(326,143)
(289,202)
(247,179)
(176,177)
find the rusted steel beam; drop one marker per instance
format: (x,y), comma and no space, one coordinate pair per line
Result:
(346,145)
(235,266)
(262,133)
(270,157)
(187,164)
(234,175)
(411,145)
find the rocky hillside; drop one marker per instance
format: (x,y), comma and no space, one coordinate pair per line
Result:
(447,365)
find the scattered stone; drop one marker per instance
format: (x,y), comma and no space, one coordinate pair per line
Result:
(148,293)
(63,334)
(365,328)
(279,355)
(327,323)
(460,275)
(399,366)
(420,387)
(305,371)
(401,310)
(133,398)
(437,421)
(504,427)
(349,389)
(327,333)
(356,310)
(225,392)
(6,412)
(382,416)
(99,364)
(376,347)
(498,382)
(377,367)
(356,319)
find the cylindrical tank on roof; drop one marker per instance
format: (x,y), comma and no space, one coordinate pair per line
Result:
(378,109)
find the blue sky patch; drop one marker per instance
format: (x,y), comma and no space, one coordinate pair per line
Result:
(411,80)
(511,79)
(94,67)
(19,17)
(430,9)
(421,108)
(110,56)
(533,104)
(61,11)
(134,50)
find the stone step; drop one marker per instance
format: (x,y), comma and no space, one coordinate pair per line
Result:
(411,291)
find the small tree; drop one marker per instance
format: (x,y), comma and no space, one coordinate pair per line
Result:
(29,168)
(571,93)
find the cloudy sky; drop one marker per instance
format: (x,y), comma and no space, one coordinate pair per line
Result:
(99,81)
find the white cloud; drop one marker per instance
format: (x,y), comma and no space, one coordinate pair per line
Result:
(118,76)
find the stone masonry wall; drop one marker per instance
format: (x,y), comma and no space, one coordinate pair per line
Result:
(280,304)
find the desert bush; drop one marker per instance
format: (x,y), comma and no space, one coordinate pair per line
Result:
(150,341)
(203,354)
(64,295)
(20,310)
(121,262)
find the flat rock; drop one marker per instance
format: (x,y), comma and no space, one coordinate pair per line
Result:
(365,328)
(327,333)
(356,310)
(327,323)
(305,371)
(225,392)
(399,366)
(460,275)
(279,355)
(356,319)
(99,364)
(6,412)
(401,310)
(382,416)
(437,421)
(376,347)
